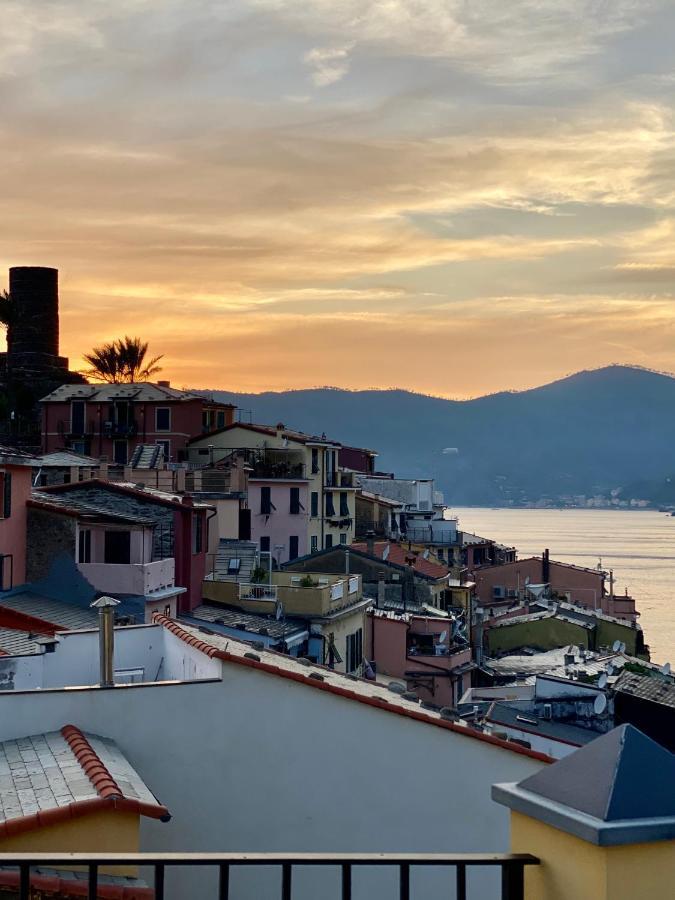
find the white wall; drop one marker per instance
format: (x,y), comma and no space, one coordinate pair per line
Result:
(260,763)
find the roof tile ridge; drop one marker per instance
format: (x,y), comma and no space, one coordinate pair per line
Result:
(184,635)
(94,768)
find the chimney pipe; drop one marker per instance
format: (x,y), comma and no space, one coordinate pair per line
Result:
(545,568)
(370,543)
(106,638)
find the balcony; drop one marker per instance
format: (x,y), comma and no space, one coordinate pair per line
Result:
(451,867)
(119,429)
(72,430)
(300,595)
(130,578)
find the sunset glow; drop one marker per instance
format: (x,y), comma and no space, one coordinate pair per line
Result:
(450,197)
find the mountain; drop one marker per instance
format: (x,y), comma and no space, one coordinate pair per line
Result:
(585,434)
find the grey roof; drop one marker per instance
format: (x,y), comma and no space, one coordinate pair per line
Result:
(65,458)
(67,616)
(621,775)
(42,772)
(67,503)
(101,393)
(514,717)
(654,688)
(265,626)
(13,456)
(17,643)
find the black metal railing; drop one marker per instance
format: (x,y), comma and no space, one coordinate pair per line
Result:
(511,866)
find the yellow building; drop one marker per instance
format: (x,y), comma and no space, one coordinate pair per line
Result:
(67,791)
(601,821)
(276,453)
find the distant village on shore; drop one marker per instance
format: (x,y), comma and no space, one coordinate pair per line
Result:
(152,536)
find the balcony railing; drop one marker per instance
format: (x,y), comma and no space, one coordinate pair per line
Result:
(510,865)
(119,429)
(258,592)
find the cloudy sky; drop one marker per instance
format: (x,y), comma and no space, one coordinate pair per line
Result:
(453,196)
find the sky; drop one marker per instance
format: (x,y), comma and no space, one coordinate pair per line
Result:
(449,196)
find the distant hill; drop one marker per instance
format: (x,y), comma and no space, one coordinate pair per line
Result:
(587,433)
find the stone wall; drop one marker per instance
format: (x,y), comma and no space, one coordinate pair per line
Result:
(49,536)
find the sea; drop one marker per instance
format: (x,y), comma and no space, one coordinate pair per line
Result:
(637,545)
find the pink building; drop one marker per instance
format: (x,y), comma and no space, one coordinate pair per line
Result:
(507,583)
(280,510)
(15,489)
(419,650)
(113,420)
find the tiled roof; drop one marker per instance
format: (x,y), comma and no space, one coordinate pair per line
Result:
(398,554)
(69,505)
(61,883)
(654,688)
(165,498)
(62,616)
(265,626)
(46,778)
(13,456)
(321,678)
(552,562)
(66,458)
(101,393)
(17,642)
(513,717)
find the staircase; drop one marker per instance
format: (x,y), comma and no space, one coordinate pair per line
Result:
(146,456)
(228,550)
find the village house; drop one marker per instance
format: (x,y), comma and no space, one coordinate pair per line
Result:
(123,540)
(511,581)
(300,501)
(111,421)
(15,490)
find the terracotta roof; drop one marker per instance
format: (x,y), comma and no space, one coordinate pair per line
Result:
(59,883)
(61,775)
(321,678)
(399,554)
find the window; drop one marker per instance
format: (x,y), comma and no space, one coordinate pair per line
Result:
(206,420)
(162,418)
(293,546)
(354,650)
(77,417)
(6,491)
(343,538)
(330,506)
(167,610)
(117,548)
(120,452)
(266,505)
(265,544)
(344,504)
(197,533)
(329,541)
(315,504)
(166,449)
(296,506)
(314,543)
(84,546)
(315,460)
(220,418)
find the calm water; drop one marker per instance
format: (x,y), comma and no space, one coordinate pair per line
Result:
(639,546)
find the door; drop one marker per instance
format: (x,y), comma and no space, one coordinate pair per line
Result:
(77,417)
(117,548)
(244,524)
(293,542)
(120,452)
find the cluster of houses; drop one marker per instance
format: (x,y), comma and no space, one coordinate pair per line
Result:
(256,618)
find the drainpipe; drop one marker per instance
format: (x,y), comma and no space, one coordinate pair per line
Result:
(346,562)
(106,638)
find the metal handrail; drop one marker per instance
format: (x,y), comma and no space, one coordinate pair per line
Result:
(512,867)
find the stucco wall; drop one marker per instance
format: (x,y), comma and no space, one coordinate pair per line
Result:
(260,763)
(13,529)
(585,586)
(542,634)
(280,524)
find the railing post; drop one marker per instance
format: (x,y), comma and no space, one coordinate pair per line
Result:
(513,881)
(224,882)
(346,881)
(24,881)
(460,882)
(93,882)
(286,881)
(404,881)
(159,881)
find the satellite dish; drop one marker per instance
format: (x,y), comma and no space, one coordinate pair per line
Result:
(665,669)
(385,553)
(616,647)
(602,680)
(600,704)
(443,637)
(622,648)
(425,555)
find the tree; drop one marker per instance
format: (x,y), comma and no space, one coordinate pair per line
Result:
(7,313)
(122,361)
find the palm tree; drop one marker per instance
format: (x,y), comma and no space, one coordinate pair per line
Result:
(7,314)
(122,361)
